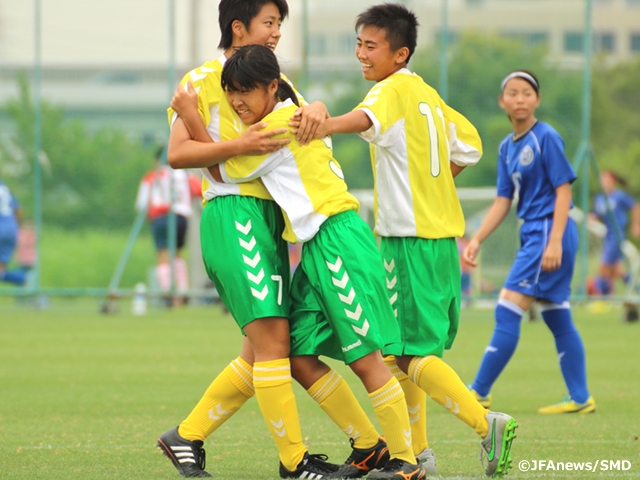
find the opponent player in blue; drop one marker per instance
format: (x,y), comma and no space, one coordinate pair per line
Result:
(533,167)
(9,208)
(621,204)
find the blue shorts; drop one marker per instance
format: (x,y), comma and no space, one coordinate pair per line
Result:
(526,275)
(611,253)
(8,240)
(160,230)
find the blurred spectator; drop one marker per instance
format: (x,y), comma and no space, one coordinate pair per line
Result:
(155,194)
(9,227)
(613,208)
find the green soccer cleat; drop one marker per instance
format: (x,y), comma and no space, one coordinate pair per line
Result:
(496,446)
(428,461)
(484,401)
(569,406)
(398,469)
(362,461)
(188,457)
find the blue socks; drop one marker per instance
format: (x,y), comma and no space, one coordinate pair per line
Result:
(570,349)
(503,343)
(18,277)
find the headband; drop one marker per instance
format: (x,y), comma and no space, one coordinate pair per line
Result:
(523,75)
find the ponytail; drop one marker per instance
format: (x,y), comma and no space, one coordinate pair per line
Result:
(286,91)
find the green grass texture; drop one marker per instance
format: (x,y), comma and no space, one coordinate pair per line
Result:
(85,395)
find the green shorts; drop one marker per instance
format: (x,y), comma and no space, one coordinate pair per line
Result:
(245,256)
(423,284)
(339,307)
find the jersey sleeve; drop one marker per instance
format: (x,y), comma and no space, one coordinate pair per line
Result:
(198,78)
(376,106)
(627,200)
(505,186)
(246,168)
(464,140)
(555,162)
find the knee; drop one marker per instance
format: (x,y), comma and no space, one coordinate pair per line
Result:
(307,370)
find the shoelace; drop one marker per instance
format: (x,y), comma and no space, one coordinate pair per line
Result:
(393,465)
(319,460)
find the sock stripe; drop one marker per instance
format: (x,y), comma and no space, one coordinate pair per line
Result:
(244,372)
(545,307)
(386,394)
(415,368)
(511,306)
(332,381)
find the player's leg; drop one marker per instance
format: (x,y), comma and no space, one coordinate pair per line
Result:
(416,399)
(349,286)
(555,289)
(311,335)
(428,308)
(8,240)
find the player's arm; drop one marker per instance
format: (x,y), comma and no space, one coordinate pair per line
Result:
(496,214)
(552,257)
(311,117)
(245,169)
(465,144)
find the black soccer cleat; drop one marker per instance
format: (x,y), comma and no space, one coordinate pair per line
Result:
(363,460)
(312,467)
(187,456)
(398,469)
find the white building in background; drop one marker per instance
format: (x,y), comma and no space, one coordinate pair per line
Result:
(109,61)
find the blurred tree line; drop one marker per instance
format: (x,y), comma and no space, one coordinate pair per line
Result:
(90,179)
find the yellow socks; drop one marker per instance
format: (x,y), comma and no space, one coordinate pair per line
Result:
(274,392)
(337,400)
(391,410)
(444,386)
(416,399)
(225,396)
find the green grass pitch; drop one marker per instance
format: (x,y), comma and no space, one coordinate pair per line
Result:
(84,395)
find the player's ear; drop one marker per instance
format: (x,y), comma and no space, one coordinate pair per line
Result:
(402,54)
(238,28)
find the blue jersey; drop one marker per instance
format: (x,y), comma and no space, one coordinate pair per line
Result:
(531,167)
(8,205)
(620,203)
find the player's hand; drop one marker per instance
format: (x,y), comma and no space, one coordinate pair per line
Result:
(470,253)
(552,257)
(307,122)
(184,99)
(255,142)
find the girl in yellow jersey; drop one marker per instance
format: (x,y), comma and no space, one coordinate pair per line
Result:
(339,307)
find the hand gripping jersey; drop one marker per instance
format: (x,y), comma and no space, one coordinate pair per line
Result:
(306,182)
(222,123)
(413,138)
(532,166)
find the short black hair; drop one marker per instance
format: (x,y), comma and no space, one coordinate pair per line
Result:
(244,11)
(399,23)
(252,66)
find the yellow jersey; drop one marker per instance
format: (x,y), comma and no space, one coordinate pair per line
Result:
(222,123)
(305,181)
(414,136)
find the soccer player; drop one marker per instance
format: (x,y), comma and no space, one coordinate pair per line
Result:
(247,259)
(339,307)
(9,226)
(161,190)
(532,165)
(619,205)
(418,145)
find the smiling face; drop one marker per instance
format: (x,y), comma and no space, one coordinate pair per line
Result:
(520,100)
(253,105)
(376,57)
(264,29)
